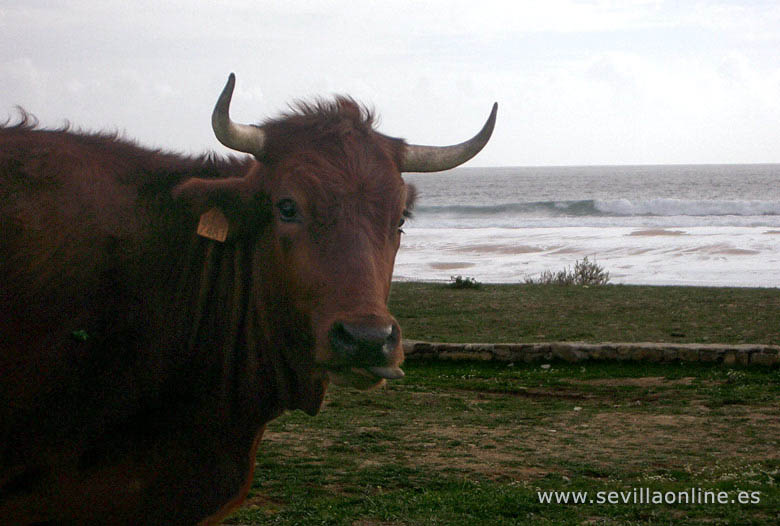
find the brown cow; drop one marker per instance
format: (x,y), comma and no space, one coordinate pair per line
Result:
(156,311)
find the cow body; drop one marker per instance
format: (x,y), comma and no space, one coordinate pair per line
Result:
(128,390)
(139,360)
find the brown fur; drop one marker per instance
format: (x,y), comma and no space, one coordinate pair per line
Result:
(139,362)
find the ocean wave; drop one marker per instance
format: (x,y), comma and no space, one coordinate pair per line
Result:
(662,207)
(684,207)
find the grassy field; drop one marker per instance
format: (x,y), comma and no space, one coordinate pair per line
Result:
(474,443)
(619,313)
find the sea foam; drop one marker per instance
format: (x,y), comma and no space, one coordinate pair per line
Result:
(661,225)
(704,256)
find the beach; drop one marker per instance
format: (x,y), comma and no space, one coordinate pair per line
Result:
(709,225)
(701,256)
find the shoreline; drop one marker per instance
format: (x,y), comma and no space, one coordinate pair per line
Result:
(398,280)
(647,255)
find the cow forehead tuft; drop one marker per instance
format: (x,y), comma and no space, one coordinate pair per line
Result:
(338,132)
(327,110)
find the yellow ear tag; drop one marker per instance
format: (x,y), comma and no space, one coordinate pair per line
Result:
(213,225)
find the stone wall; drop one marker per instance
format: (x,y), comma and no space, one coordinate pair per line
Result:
(743,355)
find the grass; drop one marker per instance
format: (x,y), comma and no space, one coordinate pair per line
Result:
(472,443)
(462,443)
(540,313)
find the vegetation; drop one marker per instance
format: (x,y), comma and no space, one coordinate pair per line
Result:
(462,443)
(620,313)
(473,443)
(459,282)
(585,273)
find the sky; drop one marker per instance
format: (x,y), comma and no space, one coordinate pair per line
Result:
(577,82)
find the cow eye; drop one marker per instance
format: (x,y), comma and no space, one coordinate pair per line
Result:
(288,210)
(401,224)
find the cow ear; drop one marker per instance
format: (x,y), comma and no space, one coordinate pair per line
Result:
(220,204)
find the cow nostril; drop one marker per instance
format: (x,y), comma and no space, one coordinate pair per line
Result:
(340,336)
(364,343)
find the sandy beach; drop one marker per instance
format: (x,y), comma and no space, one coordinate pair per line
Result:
(703,256)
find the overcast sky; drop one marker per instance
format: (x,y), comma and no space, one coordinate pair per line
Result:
(577,82)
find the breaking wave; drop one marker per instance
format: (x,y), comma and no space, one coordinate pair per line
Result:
(682,207)
(611,208)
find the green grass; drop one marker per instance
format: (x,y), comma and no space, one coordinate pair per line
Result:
(472,443)
(620,313)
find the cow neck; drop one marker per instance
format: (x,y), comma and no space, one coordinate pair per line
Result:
(221,330)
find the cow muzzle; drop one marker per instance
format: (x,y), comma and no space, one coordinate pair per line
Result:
(364,354)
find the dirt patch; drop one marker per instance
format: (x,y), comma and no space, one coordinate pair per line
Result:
(503,249)
(636,441)
(739,252)
(597,432)
(657,232)
(531,392)
(493,453)
(451,266)
(645,381)
(637,438)
(459,433)
(567,250)
(270,506)
(292,442)
(721,249)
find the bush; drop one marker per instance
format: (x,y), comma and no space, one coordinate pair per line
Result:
(460,282)
(585,273)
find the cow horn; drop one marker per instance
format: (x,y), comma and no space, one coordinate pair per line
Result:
(240,137)
(420,158)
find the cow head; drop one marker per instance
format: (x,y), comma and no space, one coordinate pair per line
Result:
(329,190)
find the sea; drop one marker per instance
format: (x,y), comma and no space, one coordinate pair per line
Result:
(702,225)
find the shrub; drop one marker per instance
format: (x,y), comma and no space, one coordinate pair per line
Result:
(585,273)
(460,282)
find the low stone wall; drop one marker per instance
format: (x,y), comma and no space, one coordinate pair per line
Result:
(743,355)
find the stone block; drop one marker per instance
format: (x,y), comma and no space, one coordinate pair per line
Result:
(764,358)
(710,355)
(688,354)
